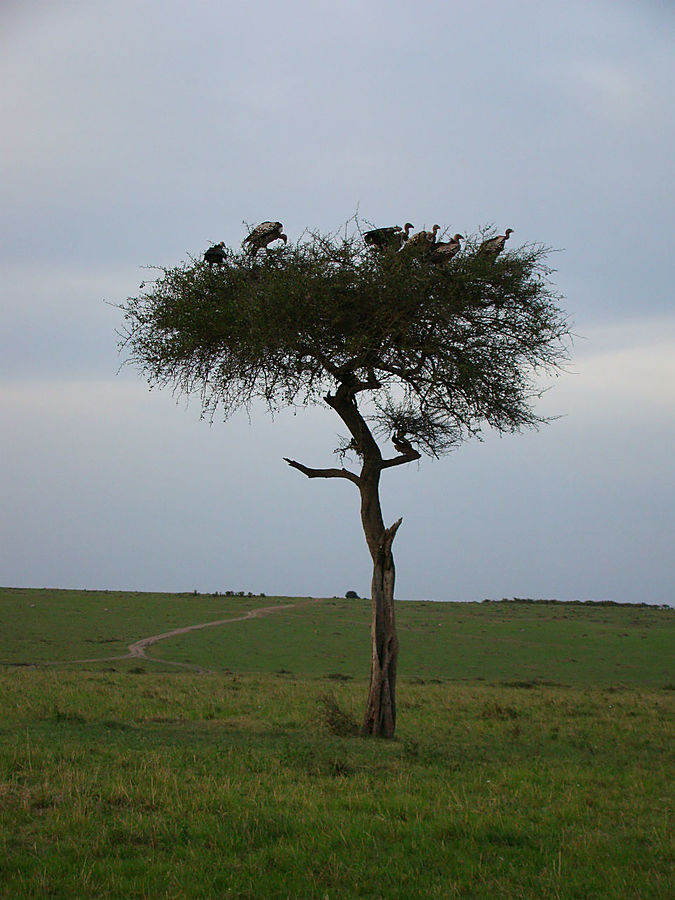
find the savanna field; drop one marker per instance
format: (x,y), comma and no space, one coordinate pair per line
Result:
(533,758)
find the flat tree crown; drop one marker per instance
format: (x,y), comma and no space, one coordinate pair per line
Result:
(436,349)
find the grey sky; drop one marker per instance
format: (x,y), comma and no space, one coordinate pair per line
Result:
(135,133)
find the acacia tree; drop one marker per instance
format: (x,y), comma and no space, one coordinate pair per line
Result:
(400,347)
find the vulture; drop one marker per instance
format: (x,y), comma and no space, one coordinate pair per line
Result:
(391,238)
(444,251)
(401,443)
(262,235)
(422,242)
(495,245)
(215,256)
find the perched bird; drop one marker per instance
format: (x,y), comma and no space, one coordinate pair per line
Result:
(391,238)
(401,443)
(215,256)
(443,251)
(422,242)
(262,235)
(495,245)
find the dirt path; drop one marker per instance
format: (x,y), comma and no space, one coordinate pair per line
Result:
(137,650)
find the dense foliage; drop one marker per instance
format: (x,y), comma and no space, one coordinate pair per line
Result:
(438,349)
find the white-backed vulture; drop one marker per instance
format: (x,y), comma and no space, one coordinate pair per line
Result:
(262,235)
(495,245)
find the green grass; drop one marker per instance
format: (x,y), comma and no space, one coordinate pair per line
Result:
(468,641)
(492,642)
(47,625)
(120,780)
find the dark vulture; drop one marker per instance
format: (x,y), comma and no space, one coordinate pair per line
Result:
(262,235)
(402,444)
(391,238)
(422,242)
(215,256)
(443,251)
(495,245)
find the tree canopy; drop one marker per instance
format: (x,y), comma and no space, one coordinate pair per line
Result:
(438,349)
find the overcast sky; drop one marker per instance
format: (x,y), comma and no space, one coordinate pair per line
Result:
(135,133)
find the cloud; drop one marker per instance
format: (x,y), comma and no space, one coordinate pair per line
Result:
(624,371)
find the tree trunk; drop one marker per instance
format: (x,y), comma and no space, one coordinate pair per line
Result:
(380,716)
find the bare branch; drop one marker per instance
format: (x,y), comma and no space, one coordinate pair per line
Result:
(344,404)
(401,460)
(390,534)
(323,473)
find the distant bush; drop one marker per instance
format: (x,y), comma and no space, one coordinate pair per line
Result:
(553,602)
(352,595)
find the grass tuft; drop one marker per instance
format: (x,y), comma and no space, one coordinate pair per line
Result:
(337,720)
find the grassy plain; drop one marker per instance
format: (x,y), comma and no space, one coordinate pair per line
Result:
(533,759)
(56,625)
(565,644)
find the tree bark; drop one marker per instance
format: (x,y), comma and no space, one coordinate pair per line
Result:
(380,715)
